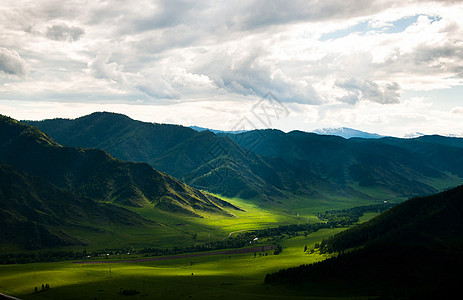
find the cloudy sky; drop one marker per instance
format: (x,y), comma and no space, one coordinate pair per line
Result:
(390,67)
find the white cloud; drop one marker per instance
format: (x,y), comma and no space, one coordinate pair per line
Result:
(101,68)
(12,64)
(458,110)
(160,52)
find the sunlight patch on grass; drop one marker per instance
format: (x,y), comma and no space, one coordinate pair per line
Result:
(230,275)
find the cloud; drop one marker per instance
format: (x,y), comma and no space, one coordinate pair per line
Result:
(252,72)
(12,64)
(321,55)
(458,110)
(358,90)
(62,32)
(153,85)
(101,68)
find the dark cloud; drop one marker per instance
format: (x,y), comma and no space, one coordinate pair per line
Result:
(12,64)
(358,90)
(62,32)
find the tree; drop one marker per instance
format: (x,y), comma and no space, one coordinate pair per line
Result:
(305,248)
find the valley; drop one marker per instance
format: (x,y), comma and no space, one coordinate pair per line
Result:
(168,212)
(215,150)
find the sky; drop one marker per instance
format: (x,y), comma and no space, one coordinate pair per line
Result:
(389,67)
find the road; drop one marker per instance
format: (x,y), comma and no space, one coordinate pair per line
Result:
(223,252)
(3,296)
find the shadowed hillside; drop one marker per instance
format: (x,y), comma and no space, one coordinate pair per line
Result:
(412,250)
(97,175)
(34,213)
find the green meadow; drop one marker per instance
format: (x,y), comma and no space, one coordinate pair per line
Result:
(207,277)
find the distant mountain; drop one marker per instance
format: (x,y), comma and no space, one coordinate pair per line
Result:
(265,164)
(444,153)
(200,129)
(362,163)
(347,133)
(97,175)
(414,251)
(36,214)
(413,135)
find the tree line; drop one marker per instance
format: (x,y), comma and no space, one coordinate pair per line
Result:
(330,219)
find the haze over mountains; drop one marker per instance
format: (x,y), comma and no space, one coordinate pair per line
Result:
(271,164)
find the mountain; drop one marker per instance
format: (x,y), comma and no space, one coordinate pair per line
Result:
(201,159)
(95,174)
(264,164)
(359,163)
(413,135)
(347,133)
(200,129)
(444,153)
(413,250)
(35,214)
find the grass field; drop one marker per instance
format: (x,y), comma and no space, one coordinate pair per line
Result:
(172,229)
(222,276)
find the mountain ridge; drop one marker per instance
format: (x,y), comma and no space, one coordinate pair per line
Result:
(96,174)
(269,164)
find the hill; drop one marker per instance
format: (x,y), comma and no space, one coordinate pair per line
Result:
(95,174)
(412,250)
(35,214)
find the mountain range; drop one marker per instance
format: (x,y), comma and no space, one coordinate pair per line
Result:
(58,189)
(271,164)
(344,132)
(46,187)
(199,129)
(95,174)
(347,133)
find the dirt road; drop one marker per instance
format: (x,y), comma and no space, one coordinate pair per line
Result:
(222,252)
